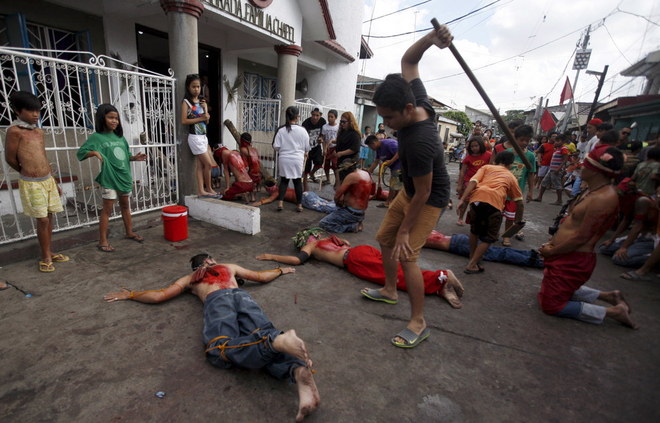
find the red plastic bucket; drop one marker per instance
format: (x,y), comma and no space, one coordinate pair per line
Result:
(175,223)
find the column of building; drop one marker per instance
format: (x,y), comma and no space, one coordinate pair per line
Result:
(182,19)
(287,66)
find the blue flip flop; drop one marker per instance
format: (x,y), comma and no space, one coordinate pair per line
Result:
(411,338)
(375,295)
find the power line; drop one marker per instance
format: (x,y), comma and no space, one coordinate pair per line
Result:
(639,16)
(430,28)
(615,45)
(508,58)
(396,11)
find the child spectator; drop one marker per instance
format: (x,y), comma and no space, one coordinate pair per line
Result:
(522,135)
(553,179)
(25,152)
(486,194)
(477,156)
(194,114)
(109,146)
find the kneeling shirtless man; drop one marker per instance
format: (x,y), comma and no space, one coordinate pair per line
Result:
(231,338)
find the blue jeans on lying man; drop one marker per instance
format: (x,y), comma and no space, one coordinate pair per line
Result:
(460,244)
(311,200)
(235,316)
(344,219)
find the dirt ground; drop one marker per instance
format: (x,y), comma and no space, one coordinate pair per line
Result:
(66,356)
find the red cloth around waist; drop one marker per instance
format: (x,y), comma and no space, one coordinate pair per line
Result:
(238,188)
(366,262)
(562,276)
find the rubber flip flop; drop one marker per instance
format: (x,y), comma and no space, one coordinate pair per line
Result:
(634,276)
(59,258)
(473,272)
(105,248)
(411,338)
(375,295)
(136,238)
(382,206)
(46,267)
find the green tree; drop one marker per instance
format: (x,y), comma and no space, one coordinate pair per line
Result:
(510,115)
(465,126)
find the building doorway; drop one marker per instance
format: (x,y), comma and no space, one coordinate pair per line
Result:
(153,54)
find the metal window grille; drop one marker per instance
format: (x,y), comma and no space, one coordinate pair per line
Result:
(146,102)
(260,117)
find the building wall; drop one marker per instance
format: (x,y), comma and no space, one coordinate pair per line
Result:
(335,85)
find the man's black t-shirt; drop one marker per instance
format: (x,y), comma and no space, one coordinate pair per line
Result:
(348,140)
(421,152)
(313,130)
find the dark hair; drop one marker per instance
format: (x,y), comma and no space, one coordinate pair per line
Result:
(198,260)
(514,124)
(479,140)
(367,127)
(616,162)
(316,109)
(370,139)
(504,157)
(610,137)
(653,154)
(99,119)
(23,100)
(604,127)
(561,137)
(189,80)
(394,93)
(246,137)
(291,113)
(523,131)
(333,112)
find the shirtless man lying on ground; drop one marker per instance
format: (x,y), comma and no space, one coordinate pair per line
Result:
(366,263)
(235,326)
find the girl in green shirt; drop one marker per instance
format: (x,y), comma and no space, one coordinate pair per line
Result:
(109,146)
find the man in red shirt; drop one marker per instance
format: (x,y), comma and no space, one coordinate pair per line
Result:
(544,156)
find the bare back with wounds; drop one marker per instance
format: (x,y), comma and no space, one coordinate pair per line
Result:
(234,162)
(26,149)
(330,250)
(355,190)
(587,222)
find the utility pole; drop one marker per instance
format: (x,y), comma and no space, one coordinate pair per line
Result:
(581,61)
(601,81)
(537,116)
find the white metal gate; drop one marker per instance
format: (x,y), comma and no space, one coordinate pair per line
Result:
(260,117)
(70,93)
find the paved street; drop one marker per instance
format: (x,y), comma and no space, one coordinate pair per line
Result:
(69,357)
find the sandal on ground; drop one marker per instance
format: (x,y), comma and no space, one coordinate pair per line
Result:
(460,222)
(299,209)
(280,207)
(634,276)
(46,267)
(506,242)
(136,238)
(410,338)
(375,295)
(59,258)
(382,206)
(105,248)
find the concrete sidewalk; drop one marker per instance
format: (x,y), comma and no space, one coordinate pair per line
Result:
(69,357)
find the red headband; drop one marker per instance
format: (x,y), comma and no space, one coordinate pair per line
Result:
(598,159)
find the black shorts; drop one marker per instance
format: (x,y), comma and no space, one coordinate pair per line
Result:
(485,221)
(314,158)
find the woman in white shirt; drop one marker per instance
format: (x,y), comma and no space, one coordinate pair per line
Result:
(292,144)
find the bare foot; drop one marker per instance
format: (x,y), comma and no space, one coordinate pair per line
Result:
(360,227)
(620,313)
(448,293)
(615,298)
(3,285)
(286,270)
(453,280)
(289,343)
(308,395)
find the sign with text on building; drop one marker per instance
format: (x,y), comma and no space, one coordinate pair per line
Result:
(255,16)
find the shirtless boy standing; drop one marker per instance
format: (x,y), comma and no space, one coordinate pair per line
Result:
(236,330)
(25,152)
(569,255)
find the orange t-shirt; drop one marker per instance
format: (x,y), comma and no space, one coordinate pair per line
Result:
(494,184)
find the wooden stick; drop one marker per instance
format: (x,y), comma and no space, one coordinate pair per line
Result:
(486,99)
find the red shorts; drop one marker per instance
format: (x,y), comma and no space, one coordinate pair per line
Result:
(562,276)
(256,178)
(510,208)
(238,188)
(366,262)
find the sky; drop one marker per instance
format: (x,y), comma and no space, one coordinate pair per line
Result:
(525,36)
